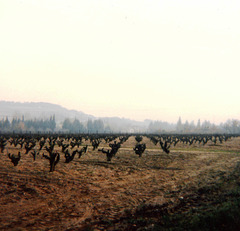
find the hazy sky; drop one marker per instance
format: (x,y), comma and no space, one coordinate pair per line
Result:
(138,59)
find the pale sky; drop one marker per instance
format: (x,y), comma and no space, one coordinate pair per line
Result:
(138,59)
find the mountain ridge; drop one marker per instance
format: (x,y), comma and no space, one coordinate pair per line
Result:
(44,110)
(40,110)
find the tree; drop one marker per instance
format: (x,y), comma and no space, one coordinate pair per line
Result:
(206,126)
(90,126)
(198,124)
(186,126)
(235,126)
(98,126)
(6,124)
(67,124)
(179,125)
(52,123)
(77,126)
(232,126)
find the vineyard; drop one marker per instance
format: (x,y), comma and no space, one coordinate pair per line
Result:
(119,182)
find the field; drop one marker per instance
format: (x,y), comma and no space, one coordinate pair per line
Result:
(185,189)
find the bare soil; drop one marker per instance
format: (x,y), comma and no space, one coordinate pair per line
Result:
(90,193)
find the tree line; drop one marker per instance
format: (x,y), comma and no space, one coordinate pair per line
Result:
(92,126)
(21,125)
(50,125)
(99,126)
(206,127)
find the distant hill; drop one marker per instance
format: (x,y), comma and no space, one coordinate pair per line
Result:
(126,125)
(40,110)
(43,110)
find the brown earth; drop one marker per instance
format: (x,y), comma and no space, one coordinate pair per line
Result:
(91,194)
